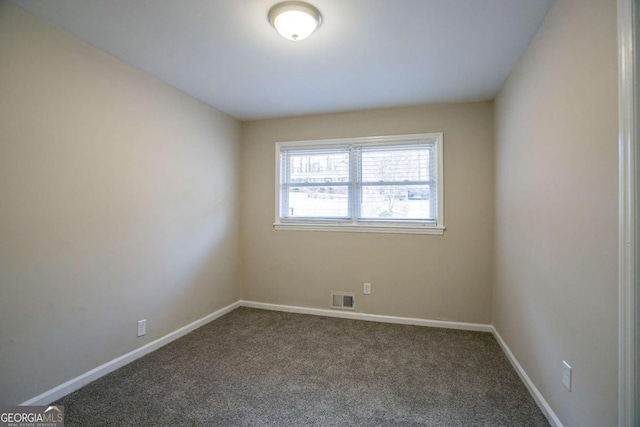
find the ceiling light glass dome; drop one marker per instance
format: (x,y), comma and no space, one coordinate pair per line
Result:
(295,20)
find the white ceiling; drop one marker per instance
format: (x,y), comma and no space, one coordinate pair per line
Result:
(367,53)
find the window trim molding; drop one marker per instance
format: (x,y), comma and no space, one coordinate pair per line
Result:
(364,226)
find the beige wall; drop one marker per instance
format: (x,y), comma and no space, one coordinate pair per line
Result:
(117,204)
(435,277)
(555,294)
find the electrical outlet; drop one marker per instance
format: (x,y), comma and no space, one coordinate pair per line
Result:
(566,375)
(367,289)
(142,327)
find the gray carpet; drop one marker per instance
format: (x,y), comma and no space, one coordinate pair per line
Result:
(262,368)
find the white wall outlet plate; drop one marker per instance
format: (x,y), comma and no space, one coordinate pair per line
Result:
(142,327)
(566,375)
(367,289)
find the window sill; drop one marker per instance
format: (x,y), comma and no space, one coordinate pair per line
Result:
(364,228)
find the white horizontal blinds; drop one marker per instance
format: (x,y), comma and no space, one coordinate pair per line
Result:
(396,182)
(315,183)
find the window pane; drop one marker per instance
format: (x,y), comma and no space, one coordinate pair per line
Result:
(396,202)
(317,202)
(313,167)
(368,182)
(396,164)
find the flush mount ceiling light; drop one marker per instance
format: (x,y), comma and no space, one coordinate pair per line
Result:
(295,20)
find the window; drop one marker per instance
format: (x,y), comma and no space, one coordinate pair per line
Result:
(382,184)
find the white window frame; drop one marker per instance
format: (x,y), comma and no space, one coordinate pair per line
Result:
(387,226)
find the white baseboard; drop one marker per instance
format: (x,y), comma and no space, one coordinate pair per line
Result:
(74,384)
(369,317)
(533,390)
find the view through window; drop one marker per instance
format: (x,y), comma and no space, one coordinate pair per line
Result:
(382,182)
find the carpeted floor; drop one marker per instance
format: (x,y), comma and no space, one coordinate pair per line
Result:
(263,368)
